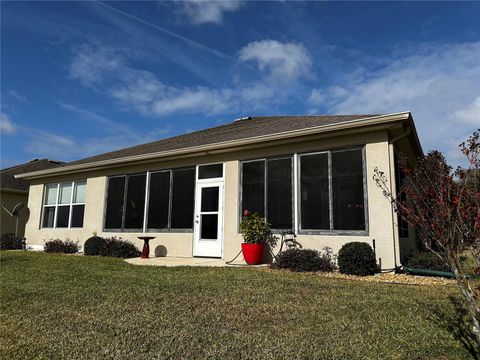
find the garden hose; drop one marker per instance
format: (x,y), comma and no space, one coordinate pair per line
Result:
(231,261)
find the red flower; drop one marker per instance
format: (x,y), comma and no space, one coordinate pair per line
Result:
(246,213)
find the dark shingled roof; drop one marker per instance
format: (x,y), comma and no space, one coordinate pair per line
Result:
(237,130)
(7,178)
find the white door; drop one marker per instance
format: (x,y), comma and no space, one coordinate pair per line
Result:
(208,227)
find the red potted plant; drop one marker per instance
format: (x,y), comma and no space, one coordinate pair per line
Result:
(256,233)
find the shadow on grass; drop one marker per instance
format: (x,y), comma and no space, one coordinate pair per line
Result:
(458,323)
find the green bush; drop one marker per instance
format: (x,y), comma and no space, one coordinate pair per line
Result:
(303,260)
(120,248)
(357,258)
(255,229)
(112,247)
(426,260)
(94,246)
(9,241)
(60,246)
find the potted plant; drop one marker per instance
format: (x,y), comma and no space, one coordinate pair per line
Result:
(256,233)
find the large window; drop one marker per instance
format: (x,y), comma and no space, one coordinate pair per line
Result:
(64,205)
(330,186)
(170,198)
(332,191)
(125,202)
(267,189)
(314,194)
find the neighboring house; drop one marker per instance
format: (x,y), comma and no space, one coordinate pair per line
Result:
(312,174)
(14,191)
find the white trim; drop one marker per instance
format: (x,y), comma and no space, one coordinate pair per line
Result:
(222,146)
(296,189)
(147,197)
(56,205)
(213,182)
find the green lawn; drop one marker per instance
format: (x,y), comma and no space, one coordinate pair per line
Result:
(59,306)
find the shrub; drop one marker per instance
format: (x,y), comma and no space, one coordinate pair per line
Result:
(120,248)
(59,246)
(303,260)
(426,260)
(357,258)
(9,241)
(94,246)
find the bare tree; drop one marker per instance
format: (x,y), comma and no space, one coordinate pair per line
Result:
(443,205)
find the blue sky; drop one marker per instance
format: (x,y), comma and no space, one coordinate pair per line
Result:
(81,78)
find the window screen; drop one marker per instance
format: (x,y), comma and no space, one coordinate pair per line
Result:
(279,193)
(210,171)
(253,187)
(135,205)
(159,200)
(183,193)
(114,213)
(314,193)
(78,212)
(347,190)
(63,212)
(48,216)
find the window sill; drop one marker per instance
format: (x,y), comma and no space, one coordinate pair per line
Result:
(333,233)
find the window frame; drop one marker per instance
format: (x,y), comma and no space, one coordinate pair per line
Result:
(332,231)
(296,191)
(145,228)
(70,205)
(265,184)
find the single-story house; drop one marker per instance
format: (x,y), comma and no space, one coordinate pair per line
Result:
(312,174)
(14,191)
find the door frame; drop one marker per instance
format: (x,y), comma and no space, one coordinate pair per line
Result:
(199,183)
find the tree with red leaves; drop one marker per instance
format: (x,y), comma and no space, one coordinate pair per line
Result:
(443,205)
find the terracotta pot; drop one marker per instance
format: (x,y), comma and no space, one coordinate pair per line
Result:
(252,253)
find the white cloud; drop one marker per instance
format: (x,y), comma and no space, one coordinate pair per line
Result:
(109,72)
(439,85)
(106,71)
(48,144)
(208,11)
(7,126)
(209,101)
(17,96)
(92,65)
(470,114)
(282,62)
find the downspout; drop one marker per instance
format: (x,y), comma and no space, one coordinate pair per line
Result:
(396,240)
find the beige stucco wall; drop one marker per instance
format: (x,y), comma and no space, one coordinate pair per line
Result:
(8,223)
(380,216)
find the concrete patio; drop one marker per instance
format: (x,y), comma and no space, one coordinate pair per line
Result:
(182,261)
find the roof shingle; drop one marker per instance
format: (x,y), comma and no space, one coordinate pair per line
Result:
(237,130)
(7,178)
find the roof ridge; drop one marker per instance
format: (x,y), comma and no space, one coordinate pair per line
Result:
(257,123)
(31,162)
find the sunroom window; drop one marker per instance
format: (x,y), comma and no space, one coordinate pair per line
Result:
(267,189)
(64,205)
(170,201)
(332,191)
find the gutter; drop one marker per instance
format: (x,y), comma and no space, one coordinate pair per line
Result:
(382,119)
(14,191)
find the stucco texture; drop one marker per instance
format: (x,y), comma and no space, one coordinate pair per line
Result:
(381,218)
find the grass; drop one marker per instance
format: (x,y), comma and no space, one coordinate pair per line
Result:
(60,306)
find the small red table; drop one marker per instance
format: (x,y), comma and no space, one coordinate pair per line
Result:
(146,247)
